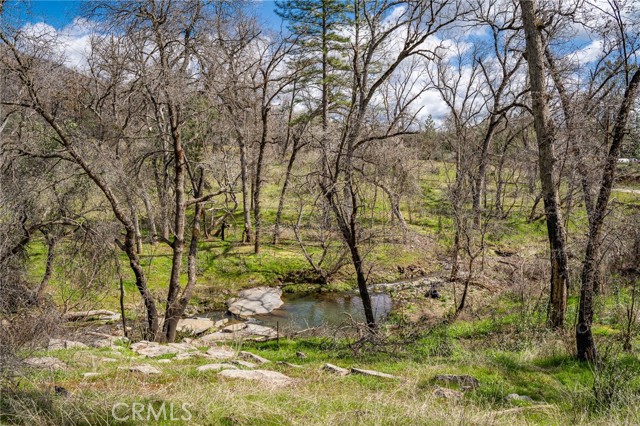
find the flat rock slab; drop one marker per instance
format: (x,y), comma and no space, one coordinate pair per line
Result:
(194,325)
(256,301)
(336,370)
(57,344)
(372,373)
(464,381)
(242,332)
(245,364)
(253,357)
(267,377)
(216,367)
(48,362)
(144,369)
(92,315)
(233,328)
(155,350)
(220,352)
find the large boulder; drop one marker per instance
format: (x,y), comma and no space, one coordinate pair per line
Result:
(256,301)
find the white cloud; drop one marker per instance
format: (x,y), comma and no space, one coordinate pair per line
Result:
(71,43)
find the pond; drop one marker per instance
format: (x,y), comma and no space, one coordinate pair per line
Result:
(318,309)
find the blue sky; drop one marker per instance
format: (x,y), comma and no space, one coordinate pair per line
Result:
(59,13)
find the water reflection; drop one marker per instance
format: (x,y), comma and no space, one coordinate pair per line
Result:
(314,310)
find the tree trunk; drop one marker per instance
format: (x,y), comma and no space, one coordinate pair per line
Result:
(285,187)
(546,161)
(48,270)
(244,176)
(177,244)
(257,214)
(585,345)
(179,306)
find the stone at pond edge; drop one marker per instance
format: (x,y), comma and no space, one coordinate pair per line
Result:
(335,369)
(372,373)
(462,380)
(255,301)
(194,325)
(447,393)
(268,377)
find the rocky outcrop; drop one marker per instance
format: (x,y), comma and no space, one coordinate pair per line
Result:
(57,344)
(256,301)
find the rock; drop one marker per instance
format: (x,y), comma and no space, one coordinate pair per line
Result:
(372,373)
(220,352)
(92,315)
(108,360)
(256,330)
(59,390)
(234,327)
(246,364)
(90,374)
(56,344)
(255,301)
(165,361)
(267,377)
(144,369)
(447,393)
(48,362)
(102,340)
(220,323)
(432,293)
(516,397)
(465,381)
(243,332)
(216,367)
(253,357)
(335,369)
(153,349)
(288,364)
(194,325)
(182,347)
(301,355)
(182,356)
